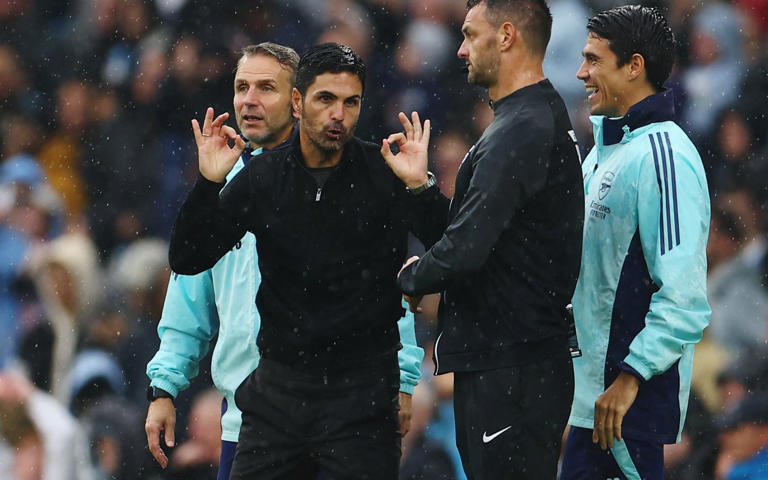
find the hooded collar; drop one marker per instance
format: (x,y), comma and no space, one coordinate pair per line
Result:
(659,107)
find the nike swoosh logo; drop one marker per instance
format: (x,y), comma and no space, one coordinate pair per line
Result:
(487,438)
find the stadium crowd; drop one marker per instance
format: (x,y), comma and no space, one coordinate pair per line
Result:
(96,155)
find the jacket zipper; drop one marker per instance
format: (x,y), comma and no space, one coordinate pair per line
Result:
(318,194)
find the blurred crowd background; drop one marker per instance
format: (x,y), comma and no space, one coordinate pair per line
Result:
(96,155)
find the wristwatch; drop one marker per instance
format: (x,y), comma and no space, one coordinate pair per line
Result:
(153,393)
(431,181)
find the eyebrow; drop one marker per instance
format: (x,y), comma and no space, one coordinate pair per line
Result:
(239,81)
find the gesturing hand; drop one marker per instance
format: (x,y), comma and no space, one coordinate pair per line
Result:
(611,407)
(215,156)
(410,164)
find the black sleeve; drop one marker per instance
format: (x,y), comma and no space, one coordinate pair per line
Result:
(509,167)
(209,225)
(427,215)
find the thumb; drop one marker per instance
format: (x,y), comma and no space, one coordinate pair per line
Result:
(170,436)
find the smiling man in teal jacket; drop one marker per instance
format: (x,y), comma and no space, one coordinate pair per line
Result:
(640,304)
(220,300)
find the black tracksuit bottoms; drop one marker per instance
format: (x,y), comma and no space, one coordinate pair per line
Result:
(510,421)
(332,425)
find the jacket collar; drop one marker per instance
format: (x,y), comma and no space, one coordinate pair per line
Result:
(655,108)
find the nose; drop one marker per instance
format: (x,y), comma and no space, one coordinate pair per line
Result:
(583,72)
(337,111)
(463,50)
(252,96)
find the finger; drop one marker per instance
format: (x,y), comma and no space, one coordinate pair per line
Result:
(598,425)
(398,138)
(196,131)
(153,441)
(217,123)
(406,124)
(386,151)
(427,129)
(207,122)
(417,132)
(618,419)
(605,433)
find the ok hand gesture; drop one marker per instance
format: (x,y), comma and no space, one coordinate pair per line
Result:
(215,156)
(410,164)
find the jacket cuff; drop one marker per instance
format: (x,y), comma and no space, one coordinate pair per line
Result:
(405,280)
(641,373)
(165,385)
(204,185)
(406,387)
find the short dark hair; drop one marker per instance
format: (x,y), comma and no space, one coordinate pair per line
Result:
(286,56)
(328,58)
(531,17)
(636,29)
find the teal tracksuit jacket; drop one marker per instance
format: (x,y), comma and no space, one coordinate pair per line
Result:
(640,304)
(222,301)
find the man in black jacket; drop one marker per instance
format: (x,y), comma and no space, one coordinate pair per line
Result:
(331,223)
(508,262)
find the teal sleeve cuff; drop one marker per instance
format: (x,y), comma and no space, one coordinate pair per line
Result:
(636,364)
(406,388)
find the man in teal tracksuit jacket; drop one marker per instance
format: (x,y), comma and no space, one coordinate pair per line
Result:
(640,302)
(219,300)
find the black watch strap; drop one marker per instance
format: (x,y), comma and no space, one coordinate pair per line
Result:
(153,393)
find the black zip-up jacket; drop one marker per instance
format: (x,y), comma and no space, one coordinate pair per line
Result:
(328,256)
(508,262)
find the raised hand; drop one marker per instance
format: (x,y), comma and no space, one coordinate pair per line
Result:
(216,158)
(410,164)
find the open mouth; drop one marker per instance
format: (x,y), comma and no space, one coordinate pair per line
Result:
(334,133)
(592,92)
(252,118)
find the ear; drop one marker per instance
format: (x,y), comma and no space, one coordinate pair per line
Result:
(507,36)
(296,103)
(636,67)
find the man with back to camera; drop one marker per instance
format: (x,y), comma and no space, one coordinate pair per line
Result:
(509,258)
(201,306)
(640,304)
(332,222)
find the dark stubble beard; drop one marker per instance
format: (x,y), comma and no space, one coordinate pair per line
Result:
(317,138)
(486,72)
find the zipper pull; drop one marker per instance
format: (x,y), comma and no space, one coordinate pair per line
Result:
(318,194)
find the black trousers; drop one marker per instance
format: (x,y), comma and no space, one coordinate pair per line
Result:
(335,426)
(510,421)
